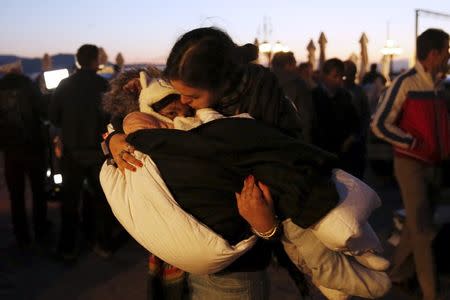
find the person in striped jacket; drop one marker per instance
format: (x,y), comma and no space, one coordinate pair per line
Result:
(410,171)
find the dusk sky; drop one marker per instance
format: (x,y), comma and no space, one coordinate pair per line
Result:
(144,31)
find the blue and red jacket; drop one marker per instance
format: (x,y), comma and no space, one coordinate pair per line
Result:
(412,116)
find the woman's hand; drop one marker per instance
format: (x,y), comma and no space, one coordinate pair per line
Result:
(255,205)
(122,153)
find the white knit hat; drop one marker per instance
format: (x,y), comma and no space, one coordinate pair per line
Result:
(154,92)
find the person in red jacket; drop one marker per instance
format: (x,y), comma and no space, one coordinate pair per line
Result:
(411,173)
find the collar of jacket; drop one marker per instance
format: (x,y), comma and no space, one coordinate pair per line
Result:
(425,76)
(233,96)
(86,71)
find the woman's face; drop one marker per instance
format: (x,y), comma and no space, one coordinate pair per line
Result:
(195,98)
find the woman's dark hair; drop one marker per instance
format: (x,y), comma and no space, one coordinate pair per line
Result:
(87,54)
(248,53)
(207,58)
(430,39)
(119,102)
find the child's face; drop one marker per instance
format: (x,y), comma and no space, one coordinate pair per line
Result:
(176,109)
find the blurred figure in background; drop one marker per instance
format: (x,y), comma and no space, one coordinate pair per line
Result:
(374,84)
(76,110)
(295,89)
(361,104)
(306,73)
(337,127)
(22,140)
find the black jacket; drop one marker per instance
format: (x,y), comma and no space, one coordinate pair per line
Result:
(204,167)
(336,119)
(257,92)
(22,112)
(297,90)
(76,109)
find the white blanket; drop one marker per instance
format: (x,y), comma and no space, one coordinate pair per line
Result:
(144,206)
(346,228)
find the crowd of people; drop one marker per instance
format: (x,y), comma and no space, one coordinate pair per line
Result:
(259,165)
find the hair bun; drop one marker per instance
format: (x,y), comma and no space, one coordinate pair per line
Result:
(246,53)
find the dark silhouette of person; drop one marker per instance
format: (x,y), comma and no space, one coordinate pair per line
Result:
(337,125)
(373,75)
(305,70)
(24,146)
(76,109)
(294,88)
(361,104)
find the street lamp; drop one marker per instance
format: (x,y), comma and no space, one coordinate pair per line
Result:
(268,49)
(389,50)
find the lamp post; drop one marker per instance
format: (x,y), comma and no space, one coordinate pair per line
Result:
(269,49)
(389,50)
(266,49)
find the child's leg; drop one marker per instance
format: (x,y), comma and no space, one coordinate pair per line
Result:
(330,269)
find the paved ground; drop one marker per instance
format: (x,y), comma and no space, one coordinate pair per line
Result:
(34,274)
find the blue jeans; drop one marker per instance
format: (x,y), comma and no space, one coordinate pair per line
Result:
(232,286)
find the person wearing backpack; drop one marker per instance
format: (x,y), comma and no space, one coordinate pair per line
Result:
(24,146)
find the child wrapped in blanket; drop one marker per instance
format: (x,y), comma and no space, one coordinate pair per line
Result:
(337,275)
(164,280)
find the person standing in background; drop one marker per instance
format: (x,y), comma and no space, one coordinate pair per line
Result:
(305,70)
(22,140)
(361,104)
(76,109)
(421,82)
(295,89)
(337,126)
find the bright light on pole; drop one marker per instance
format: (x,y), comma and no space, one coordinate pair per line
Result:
(268,49)
(279,47)
(389,50)
(265,47)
